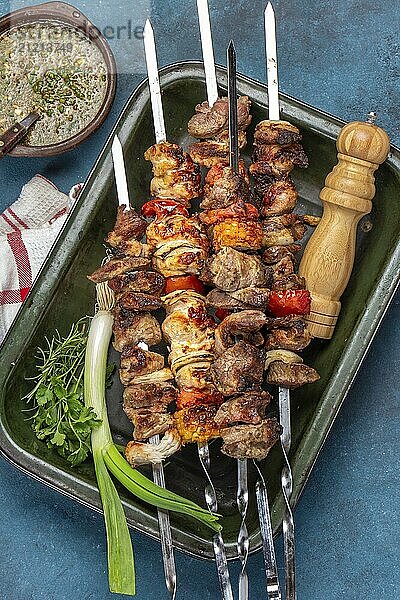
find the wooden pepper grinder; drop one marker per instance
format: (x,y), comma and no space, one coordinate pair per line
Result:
(328,258)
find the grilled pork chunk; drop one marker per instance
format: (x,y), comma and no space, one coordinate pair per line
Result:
(128,226)
(119,266)
(136,362)
(294,338)
(208,121)
(245,324)
(148,282)
(291,375)
(152,396)
(230,270)
(276,132)
(136,301)
(238,369)
(246,408)
(148,423)
(226,189)
(130,328)
(250,441)
(274,254)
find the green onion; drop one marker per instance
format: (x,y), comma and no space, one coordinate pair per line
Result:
(107,457)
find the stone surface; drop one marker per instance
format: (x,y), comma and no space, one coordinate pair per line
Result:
(344,59)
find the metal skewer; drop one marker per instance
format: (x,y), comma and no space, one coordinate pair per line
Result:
(203,448)
(284,394)
(158,469)
(242,494)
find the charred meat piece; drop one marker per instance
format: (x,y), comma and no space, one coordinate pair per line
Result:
(118,266)
(283,158)
(136,362)
(246,408)
(250,441)
(253,296)
(241,235)
(238,369)
(245,324)
(274,254)
(276,132)
(291,375)
(138,301)
(148,282)
(152,396)
(198,397)
(128,226)
(279,197)
(196,424)
(165,157)
(178,229)
(210,153)
(217,299)
(230,270)
(283,267)
(130,328)
(283,230)
(210,121)
(225,190)
(289,282)
(148,423)
(283,322)
(294,338)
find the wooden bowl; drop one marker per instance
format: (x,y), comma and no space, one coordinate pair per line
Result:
(65,14)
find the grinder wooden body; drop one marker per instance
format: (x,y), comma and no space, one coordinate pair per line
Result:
(328,258)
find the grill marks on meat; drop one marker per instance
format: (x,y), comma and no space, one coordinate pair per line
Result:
(223,188)
(210,125)
(155,397)
(175,174)
(294,338)
(148,423)
(245,325)
(136,362)
(128,227)
(276,132)
(246,408)
(250,441)
(291,375)
(238,369)
(118,266)
(278,197)
(139,302)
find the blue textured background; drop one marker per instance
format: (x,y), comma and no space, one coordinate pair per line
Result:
(342,57)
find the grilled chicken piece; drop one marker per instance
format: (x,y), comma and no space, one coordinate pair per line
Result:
(291,375)
(139,302)
(246,408)
(253,296)
(152,396)
(136,362)
(227,187)
(274,254)
(279,197)
(128,226)
(148,282)
(175,174)
(196,424)
(239,210)
(250,441)
(241,235)
(184,259)
(148,423)
(130,328)
(245,324)
(178,229)
(118,266)
(238,369)
(294,338)
(289,282)
(194,375)
(210,121)
(276,132)
(231,270)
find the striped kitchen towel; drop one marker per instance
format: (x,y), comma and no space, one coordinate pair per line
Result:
(28,229)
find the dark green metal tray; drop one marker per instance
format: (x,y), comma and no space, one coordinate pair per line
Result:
(62,294)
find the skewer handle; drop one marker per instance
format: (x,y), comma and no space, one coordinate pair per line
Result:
(328,259)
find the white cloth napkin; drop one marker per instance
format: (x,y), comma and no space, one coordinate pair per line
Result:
(28,229)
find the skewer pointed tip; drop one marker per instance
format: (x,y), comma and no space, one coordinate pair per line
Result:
(147,27)
(269,9)
(231,46)
(116,142)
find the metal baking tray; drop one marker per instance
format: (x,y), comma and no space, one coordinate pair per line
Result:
(62,294)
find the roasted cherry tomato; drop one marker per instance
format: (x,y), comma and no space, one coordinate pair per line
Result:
(161,208)
(198,397)
(221,313)
(289,302)
(184,282)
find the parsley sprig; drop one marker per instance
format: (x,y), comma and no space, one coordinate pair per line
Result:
(60,417)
